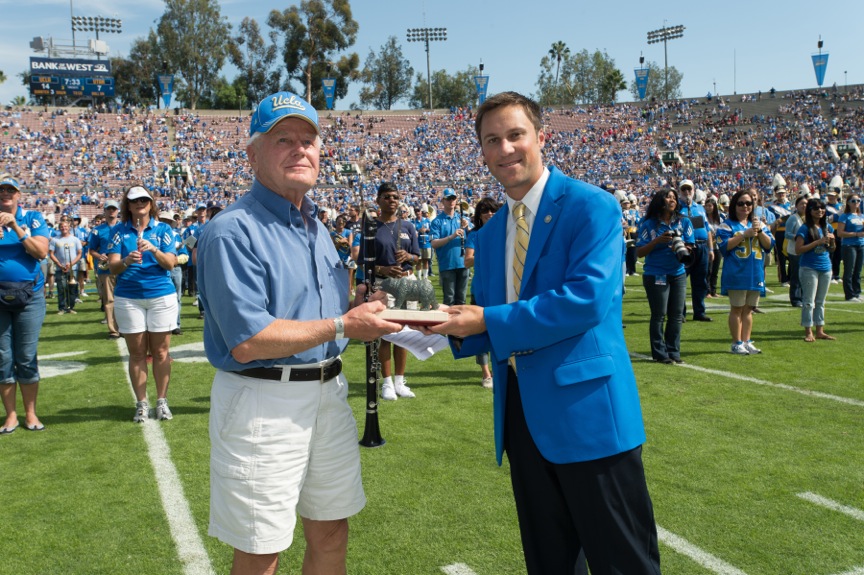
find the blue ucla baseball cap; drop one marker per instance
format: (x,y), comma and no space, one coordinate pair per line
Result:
(275,108)
(8,180)
(449,193)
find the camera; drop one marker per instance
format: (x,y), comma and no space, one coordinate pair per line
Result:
(679,248)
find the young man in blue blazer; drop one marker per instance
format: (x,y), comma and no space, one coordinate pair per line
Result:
(566,405)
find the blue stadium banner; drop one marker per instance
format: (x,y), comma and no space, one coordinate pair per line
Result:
(166,86)
(481,83)
(329,85)
(642,81)
(69,67)
(820,62)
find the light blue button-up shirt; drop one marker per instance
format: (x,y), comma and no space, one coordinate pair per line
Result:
(262,259)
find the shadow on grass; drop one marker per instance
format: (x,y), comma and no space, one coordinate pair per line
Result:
(110,413)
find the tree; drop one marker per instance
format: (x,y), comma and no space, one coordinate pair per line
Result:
(558,51)
(387,76)
(585,78)
(2,76)
(312,36)
(657,87)
(135,79)
(254,60)
(610,84)
(19,101)
(447,91)
(194,39)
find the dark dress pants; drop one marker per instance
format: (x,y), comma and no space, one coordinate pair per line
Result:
(794,282)
(601,507)
(698,273)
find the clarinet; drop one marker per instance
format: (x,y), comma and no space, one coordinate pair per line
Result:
(372,432)
(461,217)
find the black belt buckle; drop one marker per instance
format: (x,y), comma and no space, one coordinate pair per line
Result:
(322,374)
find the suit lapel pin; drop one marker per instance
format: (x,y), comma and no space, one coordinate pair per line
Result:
(547,219)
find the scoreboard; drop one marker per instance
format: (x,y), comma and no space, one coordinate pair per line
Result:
(80,86)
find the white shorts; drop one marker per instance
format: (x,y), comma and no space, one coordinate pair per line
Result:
(156,315)
(279,449)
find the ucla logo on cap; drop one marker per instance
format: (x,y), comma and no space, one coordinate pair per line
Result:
(280,102)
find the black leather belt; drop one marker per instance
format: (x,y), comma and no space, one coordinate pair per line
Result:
(321,374)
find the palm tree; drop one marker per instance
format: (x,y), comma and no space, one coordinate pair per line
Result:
(558,51)
(2,76)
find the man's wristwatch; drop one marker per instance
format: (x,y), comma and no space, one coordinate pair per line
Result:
(340,328)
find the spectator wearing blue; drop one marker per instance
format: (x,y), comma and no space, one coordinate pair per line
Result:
(793,223)
(744,242)
(834,208)
(814,243)
(448,235)
(192,231)
(168,219)
(142,254)
(703,250)
(23,244)
(424,239)
(80,231)
(663,274)
(850,228)
(106,282)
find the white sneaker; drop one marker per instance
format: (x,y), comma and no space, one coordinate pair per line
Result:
(487,383)
(162,410)
(388,392)
(835,281)
(142,412)
(751,349)
(403,390)
(739,349)
(768,290)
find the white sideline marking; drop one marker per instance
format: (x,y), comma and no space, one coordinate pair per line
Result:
(64,354)
(855,571)
(832,505)
(699,556)
(190,548)
(458,569)
(843,310)
(783,386)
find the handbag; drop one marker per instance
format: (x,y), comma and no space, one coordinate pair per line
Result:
(14,296)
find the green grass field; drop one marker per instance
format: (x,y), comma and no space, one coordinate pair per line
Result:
(733,443)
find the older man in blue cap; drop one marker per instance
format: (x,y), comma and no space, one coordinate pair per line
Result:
(275,295)
(448,231)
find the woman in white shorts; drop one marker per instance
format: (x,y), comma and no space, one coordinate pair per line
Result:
(141,253)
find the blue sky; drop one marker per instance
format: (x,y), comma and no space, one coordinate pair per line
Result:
(738,45)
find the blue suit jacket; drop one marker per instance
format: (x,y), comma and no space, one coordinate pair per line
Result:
(575,378)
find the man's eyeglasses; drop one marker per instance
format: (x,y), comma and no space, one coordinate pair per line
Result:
(140,201)
(743,204)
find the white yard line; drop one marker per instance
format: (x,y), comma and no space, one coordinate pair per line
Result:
(458,569)
(190,548)
(832,505)
(855,571)
(64,354)
(783,386)
(698,555)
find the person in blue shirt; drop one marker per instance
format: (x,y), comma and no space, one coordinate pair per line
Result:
(83,234)
(850,228)
(424,239)
(630,219)
(142,254)
(448,235)
(744,242)
(106,282)
(275,296)
(814,243)
(663,273)
(703,249)
(192,231)
(168,219)
(23,244)
(834,207)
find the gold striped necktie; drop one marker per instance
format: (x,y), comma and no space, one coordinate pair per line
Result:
(520,246)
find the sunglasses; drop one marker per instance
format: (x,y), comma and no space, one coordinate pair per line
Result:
(743,204)
(854,201)
(8,190)
(817,209)
(140,201)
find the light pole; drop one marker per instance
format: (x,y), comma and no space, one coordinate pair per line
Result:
(665,34)
(427,35)
(96,24)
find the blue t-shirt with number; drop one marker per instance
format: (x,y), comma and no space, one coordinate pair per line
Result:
(819,258)
(743,265)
